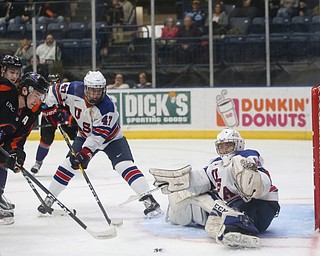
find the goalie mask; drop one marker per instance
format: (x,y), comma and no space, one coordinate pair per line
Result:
(95,87)
(228,143)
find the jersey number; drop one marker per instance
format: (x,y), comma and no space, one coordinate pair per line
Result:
(107,120)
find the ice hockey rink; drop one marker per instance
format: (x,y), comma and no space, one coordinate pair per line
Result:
(292,233)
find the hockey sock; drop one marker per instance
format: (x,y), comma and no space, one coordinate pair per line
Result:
(61,178)
(133,176)
(42,152)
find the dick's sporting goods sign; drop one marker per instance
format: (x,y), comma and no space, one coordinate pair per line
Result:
(143,108)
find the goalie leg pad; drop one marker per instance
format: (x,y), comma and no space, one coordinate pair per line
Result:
(177,180)
(230,227)
(186,210)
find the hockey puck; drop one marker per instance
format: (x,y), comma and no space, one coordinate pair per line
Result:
(156,250)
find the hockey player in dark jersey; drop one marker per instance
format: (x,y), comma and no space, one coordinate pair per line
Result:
(49,124)
(19,109)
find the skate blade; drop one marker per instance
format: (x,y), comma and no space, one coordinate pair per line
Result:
(7,221)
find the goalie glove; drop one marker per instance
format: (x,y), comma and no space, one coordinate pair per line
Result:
(171,180)
(247,177)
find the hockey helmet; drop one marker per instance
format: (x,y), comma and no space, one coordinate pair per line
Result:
(228,143)
(34,81)
(95,87)
(53,78)
(11,61)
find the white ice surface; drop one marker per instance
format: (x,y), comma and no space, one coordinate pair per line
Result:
(289,162)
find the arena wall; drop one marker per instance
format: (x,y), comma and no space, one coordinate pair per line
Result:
(200,113)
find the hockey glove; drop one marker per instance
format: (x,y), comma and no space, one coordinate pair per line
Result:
(16,160)
(53,116)
(82,158)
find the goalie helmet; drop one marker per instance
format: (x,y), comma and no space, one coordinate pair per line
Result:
(228,143)
(95,87)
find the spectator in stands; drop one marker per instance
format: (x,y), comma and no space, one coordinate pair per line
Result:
(143,81)
(42,69)
(49,51)
(8,11)
(197,15)
(219,20)
(24,51)
(118,83)
(303,8)
(169,32)
(54,12)
(245,9)
(188,41)
(274,6)
(115,14)
(129,15)
(26,12)
(287,9)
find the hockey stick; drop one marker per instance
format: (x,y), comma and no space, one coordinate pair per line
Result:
(115,222)
(109,233)
(136,197)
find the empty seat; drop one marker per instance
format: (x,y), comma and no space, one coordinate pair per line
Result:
(71,53)
(77,30)
(257,26)
(58,30)
(3,30)
(315,24)
(16,31)
(279,25)
(299,24)
(41,30)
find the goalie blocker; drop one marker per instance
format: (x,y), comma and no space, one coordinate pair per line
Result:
(233,197)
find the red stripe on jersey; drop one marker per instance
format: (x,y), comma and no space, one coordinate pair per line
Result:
(131,174)
(114,133)
(58,94)
(63,176)
(102,131)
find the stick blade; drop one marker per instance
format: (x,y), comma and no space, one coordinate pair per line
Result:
(106,234)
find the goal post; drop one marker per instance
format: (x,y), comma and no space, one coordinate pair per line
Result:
(315,95)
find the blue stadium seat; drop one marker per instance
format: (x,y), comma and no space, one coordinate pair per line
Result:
(279,25)
(16,31)
(3,30)
(315,24)
(257,26)
(58,30)
(71,53)
(77,30)
(41,30)
(299,24)
(234,49)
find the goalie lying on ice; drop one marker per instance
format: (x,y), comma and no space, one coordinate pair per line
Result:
(233,197)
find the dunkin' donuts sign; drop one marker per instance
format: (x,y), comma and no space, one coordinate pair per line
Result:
(267,111)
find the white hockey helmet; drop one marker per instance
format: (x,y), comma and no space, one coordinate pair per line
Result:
(228,143)
(95,87)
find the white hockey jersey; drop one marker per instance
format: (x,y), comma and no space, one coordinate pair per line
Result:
(97,123)
(219,178)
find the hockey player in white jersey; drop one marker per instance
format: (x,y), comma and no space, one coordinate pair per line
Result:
(233,197)
(99,130)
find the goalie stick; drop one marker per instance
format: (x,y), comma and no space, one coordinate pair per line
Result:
(114,222)
(136,197)
(109,233)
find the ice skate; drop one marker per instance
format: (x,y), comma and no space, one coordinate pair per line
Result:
(152,207)
(36,167)
(5,204)
(6,211)
(49,202)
